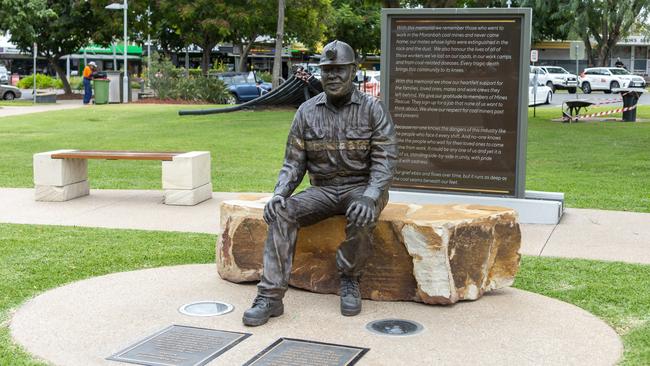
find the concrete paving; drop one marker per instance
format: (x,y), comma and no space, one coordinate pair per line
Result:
(6,111)
(582,233)
(84,322)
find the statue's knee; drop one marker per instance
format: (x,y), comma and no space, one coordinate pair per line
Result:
(285,215)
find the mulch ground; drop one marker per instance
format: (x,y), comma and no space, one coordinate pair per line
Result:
(69,96)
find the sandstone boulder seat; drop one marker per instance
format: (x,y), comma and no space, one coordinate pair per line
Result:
(435,254)
(62,175)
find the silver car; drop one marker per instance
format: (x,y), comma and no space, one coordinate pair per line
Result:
(8,92)
(4,75)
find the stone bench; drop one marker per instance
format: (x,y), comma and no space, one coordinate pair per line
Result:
(62,175)
(436,254)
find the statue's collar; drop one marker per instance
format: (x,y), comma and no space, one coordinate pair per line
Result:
(354,98)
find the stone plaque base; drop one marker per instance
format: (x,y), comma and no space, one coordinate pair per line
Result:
(180,345)
(299,352)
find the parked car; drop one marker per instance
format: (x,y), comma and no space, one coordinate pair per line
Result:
(558,78)
(542,76)
(243,86)
(8,92)
(4,75)
(368,82)
(608,78)
(544,93)
(313,69)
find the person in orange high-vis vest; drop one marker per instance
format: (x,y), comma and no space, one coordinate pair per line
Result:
(88,76)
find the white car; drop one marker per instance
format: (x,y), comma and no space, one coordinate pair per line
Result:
(544,93)
(558,78)
(608,78)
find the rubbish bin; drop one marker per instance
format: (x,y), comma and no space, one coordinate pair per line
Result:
(115,91)
(630,98)
(100,87)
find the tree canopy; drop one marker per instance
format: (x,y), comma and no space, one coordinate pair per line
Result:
(358,23)
(58,27)
(604,22)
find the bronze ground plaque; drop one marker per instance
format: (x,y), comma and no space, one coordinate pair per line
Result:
(300,352)
(180,345)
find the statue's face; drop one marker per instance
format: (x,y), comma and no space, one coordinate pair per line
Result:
(337,80)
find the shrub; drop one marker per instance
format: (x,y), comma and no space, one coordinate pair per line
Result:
(169,82)
(42,82)
(76,83)
(265,76)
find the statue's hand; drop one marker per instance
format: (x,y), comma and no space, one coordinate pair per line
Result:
(271,208)
(361,211)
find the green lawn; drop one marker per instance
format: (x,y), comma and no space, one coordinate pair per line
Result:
(597,165)
(602,165)
(16,103)
(247,147)
(36,258)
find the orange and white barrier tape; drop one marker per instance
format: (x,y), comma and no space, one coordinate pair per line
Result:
(604,113)
(372,89)
(607,101)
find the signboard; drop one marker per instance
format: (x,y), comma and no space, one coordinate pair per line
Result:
(456,85)
(534,55)
(577,50)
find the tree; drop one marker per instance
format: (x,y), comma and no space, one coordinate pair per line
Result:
(59,27)
(606,22)
(441,3)
(549,19)
(358,23)
(200,22)
(279,36)
(305,21)
(249,19)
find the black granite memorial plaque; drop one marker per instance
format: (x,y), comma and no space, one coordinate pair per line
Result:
(300,352)
(457,95)
(180,345)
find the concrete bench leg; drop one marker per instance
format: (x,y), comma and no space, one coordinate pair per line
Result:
(187,179)
(57,180)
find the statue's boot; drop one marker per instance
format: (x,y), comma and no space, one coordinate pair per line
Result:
(263,308)
(350,296)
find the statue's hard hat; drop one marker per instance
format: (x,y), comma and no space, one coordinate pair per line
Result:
(337,53)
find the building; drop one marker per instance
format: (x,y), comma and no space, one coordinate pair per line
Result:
(633,52)
(106,58)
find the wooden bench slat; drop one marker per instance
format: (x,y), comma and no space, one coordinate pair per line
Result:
(116,155)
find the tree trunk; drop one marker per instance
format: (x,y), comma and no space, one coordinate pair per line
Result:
(243,57)
(279,35)
(588,51)
(205,58)
(54,63)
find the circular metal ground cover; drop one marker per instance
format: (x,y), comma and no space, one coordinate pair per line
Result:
(206,308)
(394,327)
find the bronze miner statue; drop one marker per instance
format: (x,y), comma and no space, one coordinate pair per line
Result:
(346,141)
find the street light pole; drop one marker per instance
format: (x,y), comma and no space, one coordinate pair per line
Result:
(148,45)
(125,84)
(125,79)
